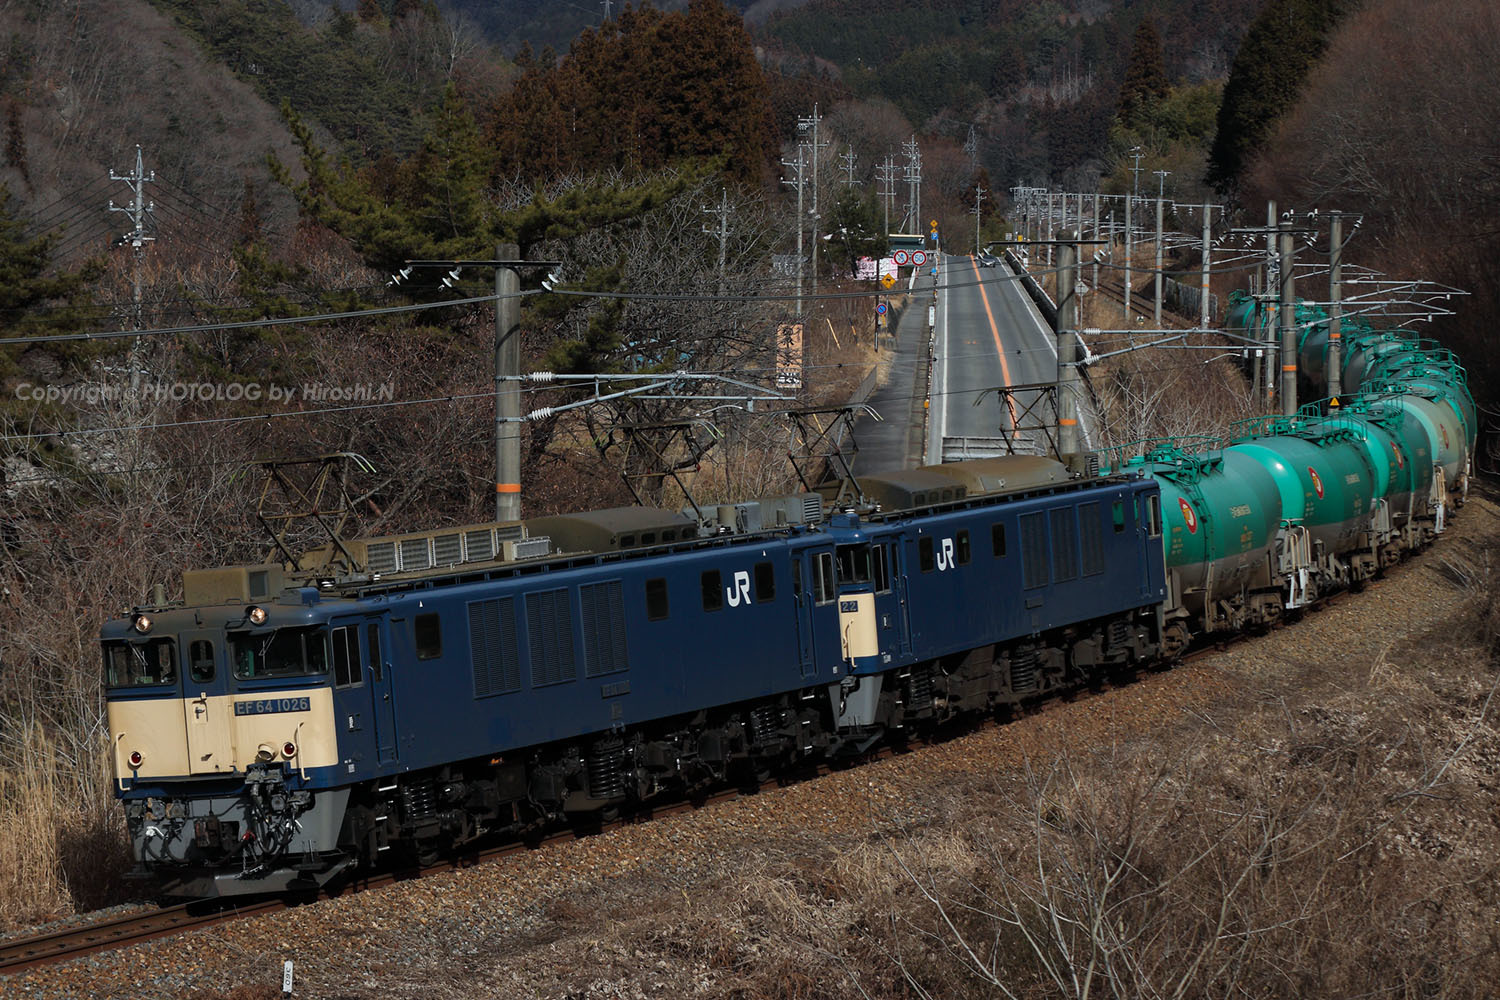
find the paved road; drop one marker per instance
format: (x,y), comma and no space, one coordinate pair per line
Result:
(988,335)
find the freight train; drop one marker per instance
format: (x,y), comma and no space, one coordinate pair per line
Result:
(290,723)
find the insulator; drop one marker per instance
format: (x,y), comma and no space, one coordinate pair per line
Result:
(543,376)
(541,414)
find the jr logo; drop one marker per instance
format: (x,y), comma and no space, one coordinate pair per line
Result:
(945,556)
(740,592)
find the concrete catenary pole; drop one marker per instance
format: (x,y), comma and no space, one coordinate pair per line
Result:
(1203,316)
(1288,324)
(1067,348)
(1096,237)
(1335,308)
(1161,180)
(1270,366)
(1129,251)
(507,391)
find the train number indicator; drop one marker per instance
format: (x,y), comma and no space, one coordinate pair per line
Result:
(272,706)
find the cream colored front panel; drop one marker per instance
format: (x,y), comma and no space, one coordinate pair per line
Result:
(222,733)
(857,625)
(312,730)
(209,744)
(152,727)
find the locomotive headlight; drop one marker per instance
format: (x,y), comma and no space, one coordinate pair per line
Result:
(264,753)
(289,750)
(257,615)
(135,759)
(143,624)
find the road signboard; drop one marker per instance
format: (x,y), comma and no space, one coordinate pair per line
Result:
(901,257)
(888,280)
(918,257)
(880,309)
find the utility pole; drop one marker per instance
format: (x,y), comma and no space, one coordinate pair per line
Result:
(1203,276)
(1272,272)
(804,125)
(507,390)
(1335,307)
(885,173)
(1129,252)
(1288,323)
(722,230)
(978,195)
(1067,349)
(1096,234)
(137,210)
(798,166)
(1161,180)
(849,160)
(913,181)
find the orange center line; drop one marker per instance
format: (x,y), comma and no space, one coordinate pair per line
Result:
(999,349)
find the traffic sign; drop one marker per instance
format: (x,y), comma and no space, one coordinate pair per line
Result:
(888,280)
(901,257)
(918,257)
(880,306)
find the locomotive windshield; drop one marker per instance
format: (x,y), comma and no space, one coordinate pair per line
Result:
(152,663)
(286,652)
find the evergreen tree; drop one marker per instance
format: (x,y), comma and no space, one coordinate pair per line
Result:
(1145,75)
(645,91)
(36,299)
(1278,52)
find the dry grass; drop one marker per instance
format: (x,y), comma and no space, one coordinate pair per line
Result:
(1332,829)
(64,846)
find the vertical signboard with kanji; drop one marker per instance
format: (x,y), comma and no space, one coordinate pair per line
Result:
(789,356)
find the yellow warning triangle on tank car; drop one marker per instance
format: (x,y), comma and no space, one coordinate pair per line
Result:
(1333,404)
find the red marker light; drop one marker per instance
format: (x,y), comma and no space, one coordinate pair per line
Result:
(289,750)
(135,758)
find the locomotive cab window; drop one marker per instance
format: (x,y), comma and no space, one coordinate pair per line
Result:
(346,672)
(1153,516)
(924,555)
(140,664)
(657,608)
(372,642)
(997,540)
(428,631)
(1119,515)
(854,564)
(961,548)
(285,652)
(713,590)
(881,559)
(201,661)
(823,581)
(765,582)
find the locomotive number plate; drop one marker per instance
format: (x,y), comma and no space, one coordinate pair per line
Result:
(272,706)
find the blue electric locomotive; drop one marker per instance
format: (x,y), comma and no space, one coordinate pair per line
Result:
(286,724)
